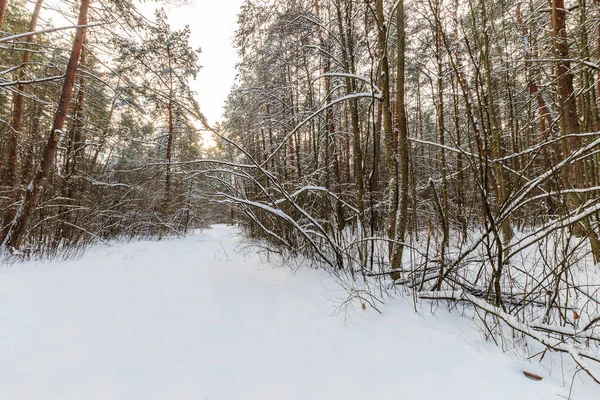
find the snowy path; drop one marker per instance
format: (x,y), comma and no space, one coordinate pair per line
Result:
(196,318)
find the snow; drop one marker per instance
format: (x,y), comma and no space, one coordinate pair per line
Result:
(206,317)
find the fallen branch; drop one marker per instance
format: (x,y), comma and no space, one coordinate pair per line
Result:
(514,323)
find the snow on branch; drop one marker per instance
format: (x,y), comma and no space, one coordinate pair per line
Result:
(527,330)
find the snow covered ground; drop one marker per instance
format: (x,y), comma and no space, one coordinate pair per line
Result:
(201,318)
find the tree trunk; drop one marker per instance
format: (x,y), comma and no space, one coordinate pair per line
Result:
(167,200)
(3,4)
(570,120)
(76,141)
(73,189)
(18,228)
(348,61)
(10,177)
(403,152)
(390,153)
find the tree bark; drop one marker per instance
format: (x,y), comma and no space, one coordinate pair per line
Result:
(403,151)
(10,177)
(570,120)
(14,239)
(167,200)
(3,4)
(390,153)
(348,61)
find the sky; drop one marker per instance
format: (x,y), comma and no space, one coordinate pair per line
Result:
(213,25)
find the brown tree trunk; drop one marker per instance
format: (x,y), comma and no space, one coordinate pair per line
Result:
(403,153)
(170,138)
(76,136)
(374,178)
(544,114)
(570,120)
(348,61)
(390,153)
(329,136)
(598,56)
(3,4)
(18,229)
(443,209)
(10,177)
(494,123)
(73,189)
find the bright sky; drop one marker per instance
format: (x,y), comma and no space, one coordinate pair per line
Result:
(213,25)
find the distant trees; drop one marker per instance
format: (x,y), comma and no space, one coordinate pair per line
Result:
(120,121)
(165,62)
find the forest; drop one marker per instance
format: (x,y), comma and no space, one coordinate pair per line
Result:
(446,150)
